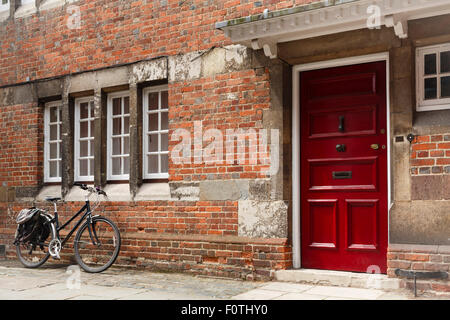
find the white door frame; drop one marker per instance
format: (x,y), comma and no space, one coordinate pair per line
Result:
(296,230)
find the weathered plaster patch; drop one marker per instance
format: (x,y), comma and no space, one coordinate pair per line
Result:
(149,70)
(262,219)
(184,191)
(224,190)
(185,67)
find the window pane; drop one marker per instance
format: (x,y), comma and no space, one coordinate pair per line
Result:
(153,101)
(84,110)
(53,150)
(430,64)
(84,129)
(126,145)
(92,124)
(152,164)
(445,61)
(117,126)
(116,166)
(164,120)
(53,169)
(445,87)
(430,88)
(153,143)
(164,163)
(164,100)
(126,125)
(92,109)
(92,144)
(153,122)
(117,144)
(126,105)
(84,167)
(126,165)
(117,106)
(54,132)
(91,168)
(84,146)
(164,142)
(53,114)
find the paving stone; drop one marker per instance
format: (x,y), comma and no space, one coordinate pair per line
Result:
(286,287)
(300,296)
(346,292)
(258,294)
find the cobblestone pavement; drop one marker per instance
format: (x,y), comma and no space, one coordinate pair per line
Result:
(55,282)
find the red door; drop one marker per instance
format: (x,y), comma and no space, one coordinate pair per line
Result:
(344,168)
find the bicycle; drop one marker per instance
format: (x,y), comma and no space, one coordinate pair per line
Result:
(96,244)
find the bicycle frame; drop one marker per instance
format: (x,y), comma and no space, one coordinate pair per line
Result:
(88,214)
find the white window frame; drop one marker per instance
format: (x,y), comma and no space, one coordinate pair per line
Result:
(4,7)
(111,96)
(145,113)
(90,138)
(47,107)
(434,104)
(25,2)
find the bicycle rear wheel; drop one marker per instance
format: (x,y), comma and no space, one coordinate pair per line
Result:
(97,257)
(34,253)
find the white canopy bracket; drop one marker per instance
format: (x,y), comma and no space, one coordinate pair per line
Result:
(400,25)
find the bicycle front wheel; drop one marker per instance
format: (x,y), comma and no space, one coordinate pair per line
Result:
(97,251)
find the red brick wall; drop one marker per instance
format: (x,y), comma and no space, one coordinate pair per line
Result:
(430,154)
(233,100)
(21,145)
(198,237)
(114,32)
(420,258)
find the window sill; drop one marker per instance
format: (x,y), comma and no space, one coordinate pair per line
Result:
(49,191)
(25,10)
(153,191)
(51,4)
(116,192)
(4,15)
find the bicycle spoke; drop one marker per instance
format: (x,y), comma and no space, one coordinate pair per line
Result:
(100,248)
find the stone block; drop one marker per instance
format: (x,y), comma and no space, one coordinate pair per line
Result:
(262,219)
(224,190)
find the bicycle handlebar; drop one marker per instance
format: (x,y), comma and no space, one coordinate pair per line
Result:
(90,189)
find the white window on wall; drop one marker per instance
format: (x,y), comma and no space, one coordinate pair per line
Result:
(84,139)
(433,77)
(4,5)
(24,2)
(118,142)
(52,142)
(156,133)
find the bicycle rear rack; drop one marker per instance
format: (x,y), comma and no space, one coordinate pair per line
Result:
(440,275)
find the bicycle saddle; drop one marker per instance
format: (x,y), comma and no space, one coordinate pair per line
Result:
(52,199)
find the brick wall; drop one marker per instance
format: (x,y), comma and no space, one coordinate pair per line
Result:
(21,145)
(196,237)
(234,100)
(420,258)
(114,32)
(430,154)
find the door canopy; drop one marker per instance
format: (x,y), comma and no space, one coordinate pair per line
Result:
(264,31)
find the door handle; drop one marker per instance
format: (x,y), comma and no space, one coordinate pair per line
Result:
(375,146)
(341,124)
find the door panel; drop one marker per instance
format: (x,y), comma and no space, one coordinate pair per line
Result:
(344,167)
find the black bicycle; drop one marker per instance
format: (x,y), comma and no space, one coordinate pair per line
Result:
(96,244)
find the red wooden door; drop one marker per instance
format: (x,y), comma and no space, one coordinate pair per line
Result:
(344,168)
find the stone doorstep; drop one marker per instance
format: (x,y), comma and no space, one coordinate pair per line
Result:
(339,279)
